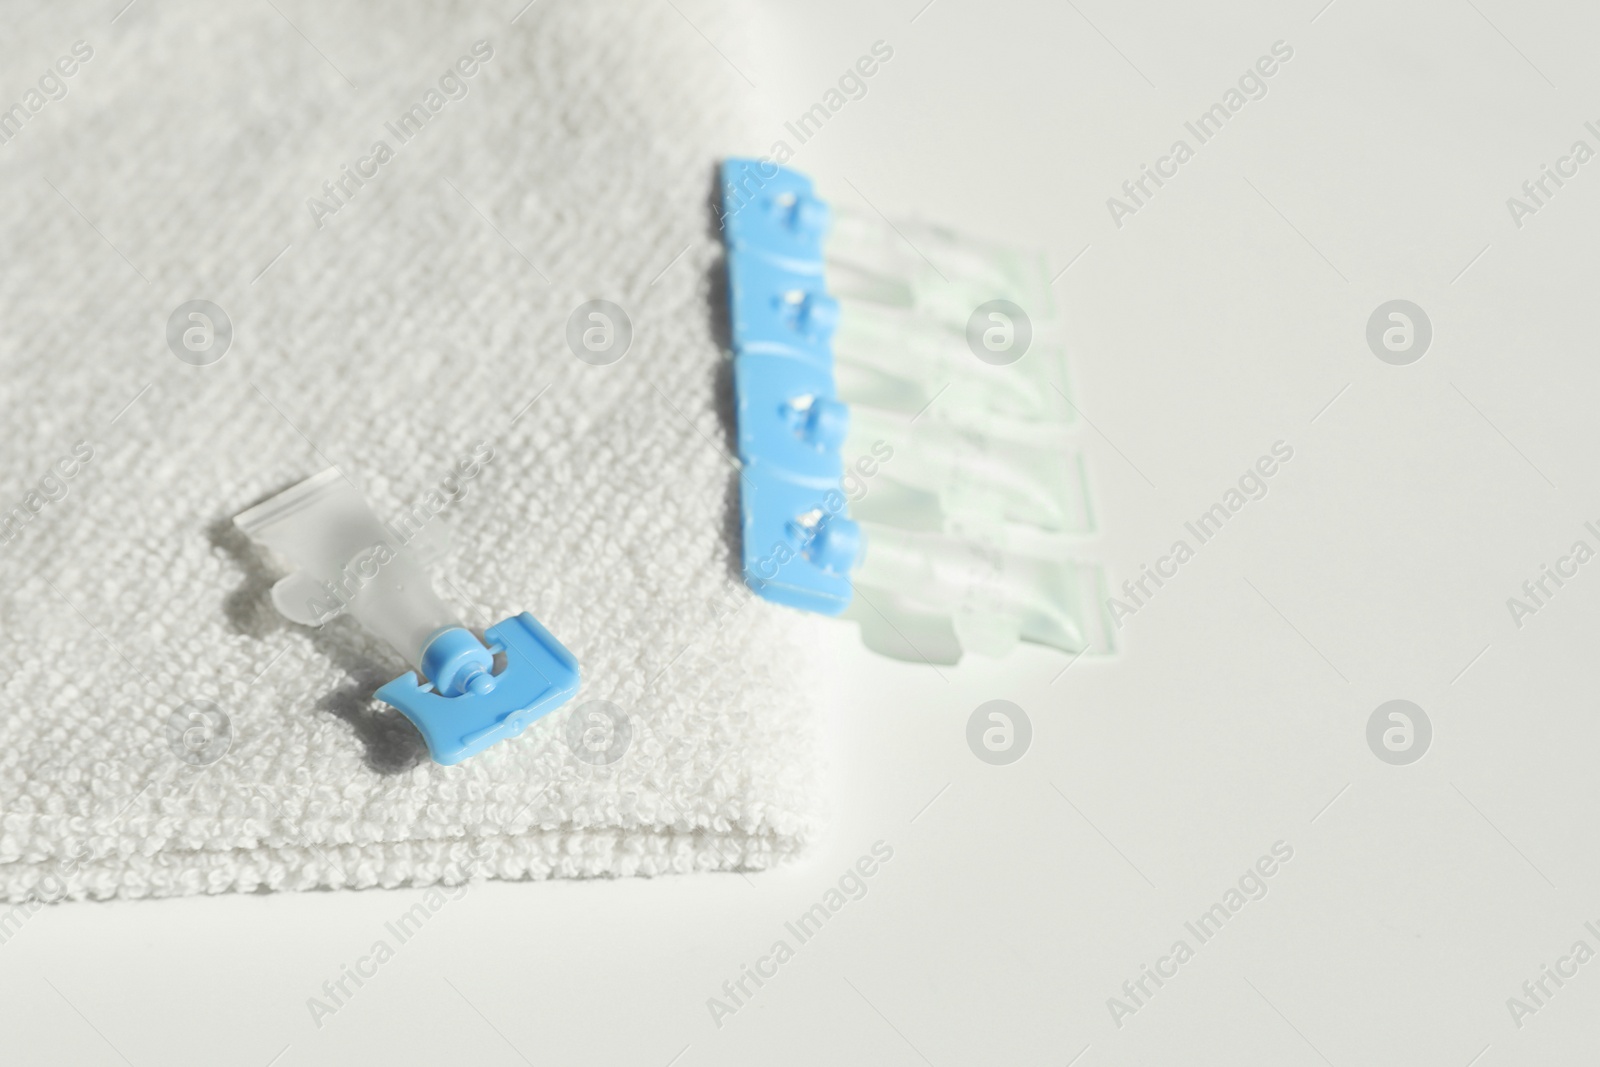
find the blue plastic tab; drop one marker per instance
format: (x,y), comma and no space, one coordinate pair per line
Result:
(799,543)
(799,547)
(779,311)
(776,210)
(539,676)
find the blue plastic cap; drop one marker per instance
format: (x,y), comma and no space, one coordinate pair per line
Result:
(827,423)
(836,545)
(540,675)
(819,315)
(454,659)
(810,216)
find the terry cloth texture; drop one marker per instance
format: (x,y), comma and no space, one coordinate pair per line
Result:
(407,324)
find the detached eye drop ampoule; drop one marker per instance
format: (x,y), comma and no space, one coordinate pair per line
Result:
(346,561)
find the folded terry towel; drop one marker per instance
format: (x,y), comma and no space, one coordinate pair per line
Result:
(396,327)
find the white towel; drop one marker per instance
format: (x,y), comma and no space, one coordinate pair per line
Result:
(419,322)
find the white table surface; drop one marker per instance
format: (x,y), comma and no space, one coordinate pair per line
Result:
(1227,314)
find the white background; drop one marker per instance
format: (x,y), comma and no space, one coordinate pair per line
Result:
(1227,314)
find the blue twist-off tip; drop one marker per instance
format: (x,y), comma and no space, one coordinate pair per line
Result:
(819,315)
(467,709)
(456,662)
(827,423)
(808,215)
(836,545)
